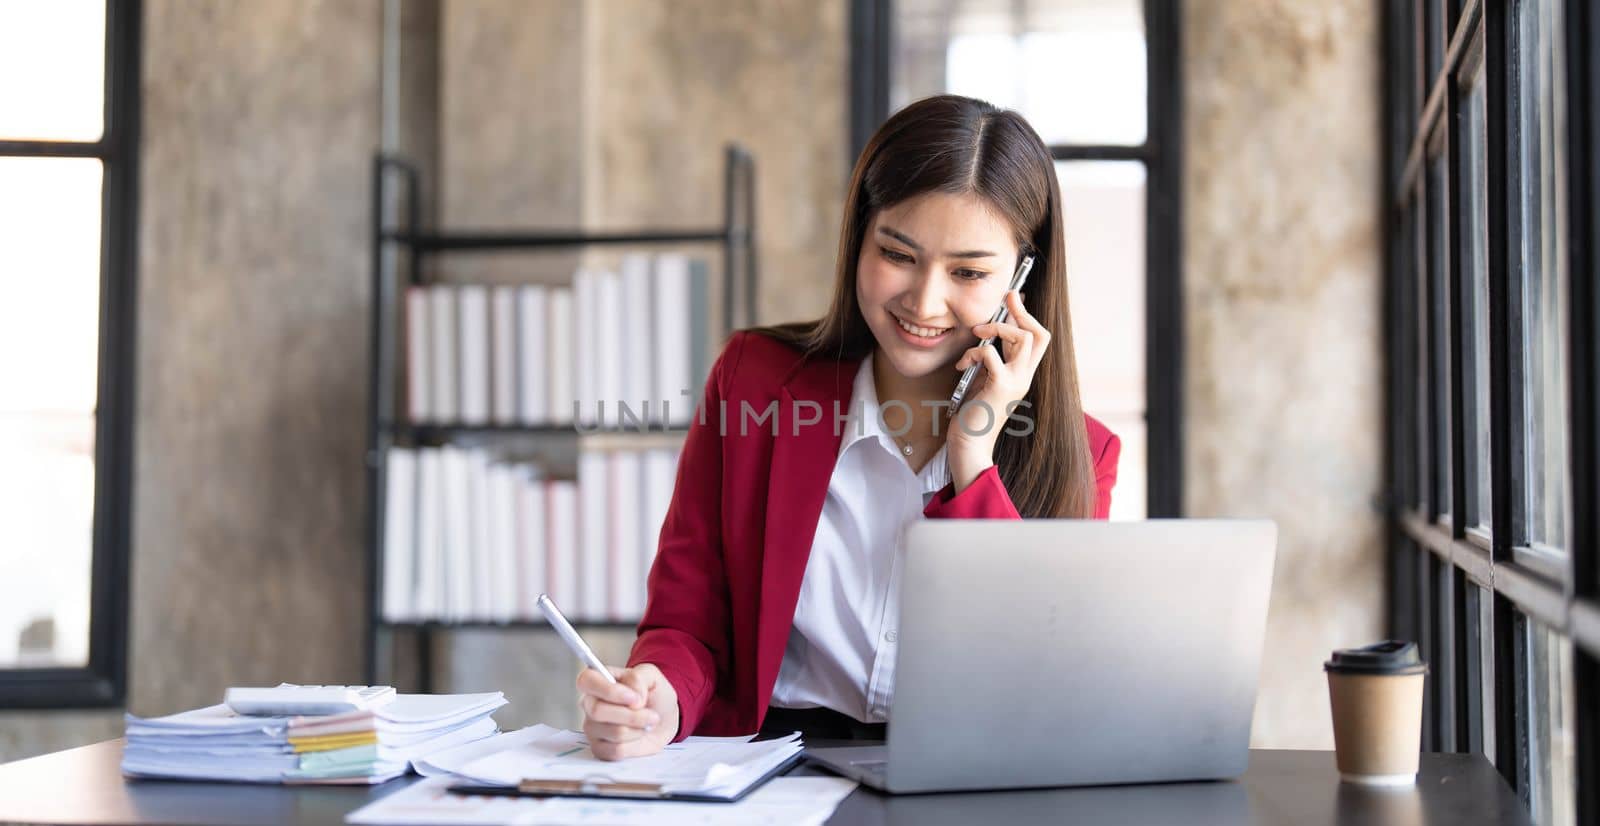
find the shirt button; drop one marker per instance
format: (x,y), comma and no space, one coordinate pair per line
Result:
(891,636)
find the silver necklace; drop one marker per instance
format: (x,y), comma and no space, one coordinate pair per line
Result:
(905,445)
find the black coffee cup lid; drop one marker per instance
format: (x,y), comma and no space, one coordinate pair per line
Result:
(1390,657)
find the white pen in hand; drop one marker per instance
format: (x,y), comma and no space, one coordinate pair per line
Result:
(569,635)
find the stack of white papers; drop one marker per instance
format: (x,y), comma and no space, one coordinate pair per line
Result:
(358,747)
(717,768)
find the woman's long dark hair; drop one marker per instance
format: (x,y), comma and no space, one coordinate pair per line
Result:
(959,145)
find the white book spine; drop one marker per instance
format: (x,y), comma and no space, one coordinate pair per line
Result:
(473,329)
(660,468)
(458,567)
(637,339)
(627,581)
(400,535)
(503,482)
(585,364)
(609,347)
(503,306)
(481,594)
(561,547)
(532,364)
(593,535)
(672,346)
(419,384)
(561,365)
(445,365)
(429,495)
(531,538)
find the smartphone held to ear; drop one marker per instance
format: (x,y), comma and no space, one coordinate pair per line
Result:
(1000,315)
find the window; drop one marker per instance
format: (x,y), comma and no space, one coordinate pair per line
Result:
(67,175)
(1097,79)
(1474,290)
(1496,418)
(1439,384)
(1552,754)
(1540,274)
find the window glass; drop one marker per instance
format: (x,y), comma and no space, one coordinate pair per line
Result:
(1552,747)
(1475,298)
(1103,205)
(1486,676)
(1074,68)
(1438,335)
(52,70)
(50,254)
(1421,325)
(1540,262)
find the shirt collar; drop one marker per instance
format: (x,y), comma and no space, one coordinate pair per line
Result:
(865,423)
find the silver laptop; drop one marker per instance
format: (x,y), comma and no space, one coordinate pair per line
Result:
(1068,652)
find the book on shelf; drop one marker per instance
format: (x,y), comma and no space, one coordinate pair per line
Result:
(400,526)
(526,355)
(586,376)
(626,582)
(531,354)
(503,355)
(419,386)
(593,528)
(559,370)
(680,363)
(561,549)
(472,330)
(443,369)
(635,319)
(469,535)
(531,540)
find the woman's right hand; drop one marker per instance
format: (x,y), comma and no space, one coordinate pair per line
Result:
(635,716)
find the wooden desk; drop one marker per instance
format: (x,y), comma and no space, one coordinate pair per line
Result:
(84,785)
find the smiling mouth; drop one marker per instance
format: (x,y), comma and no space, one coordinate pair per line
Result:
(920,331)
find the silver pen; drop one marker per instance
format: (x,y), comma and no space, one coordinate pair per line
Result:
(1017,280)
(569,635)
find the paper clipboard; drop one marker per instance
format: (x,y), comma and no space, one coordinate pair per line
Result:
(601,788)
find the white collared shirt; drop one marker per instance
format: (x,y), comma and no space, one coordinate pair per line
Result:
(841,652)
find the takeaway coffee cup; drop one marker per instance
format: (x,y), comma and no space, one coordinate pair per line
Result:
(1376,695)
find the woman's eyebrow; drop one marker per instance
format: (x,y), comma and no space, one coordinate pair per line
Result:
(906,239)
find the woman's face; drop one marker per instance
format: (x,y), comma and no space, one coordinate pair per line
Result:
(931,268)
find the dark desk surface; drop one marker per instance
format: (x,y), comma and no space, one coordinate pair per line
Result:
(84,785)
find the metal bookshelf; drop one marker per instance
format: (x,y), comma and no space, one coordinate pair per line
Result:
(391,274)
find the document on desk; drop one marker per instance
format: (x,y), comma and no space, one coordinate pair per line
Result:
(717,767)
(807,801)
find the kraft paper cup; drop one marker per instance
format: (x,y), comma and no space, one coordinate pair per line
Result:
(1376,697)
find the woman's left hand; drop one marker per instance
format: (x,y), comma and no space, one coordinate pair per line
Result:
(1003,382)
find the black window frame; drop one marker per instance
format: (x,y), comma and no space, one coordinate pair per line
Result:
(871,44)
(103,681)
(1566,597)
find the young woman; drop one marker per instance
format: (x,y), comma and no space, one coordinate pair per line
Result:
(775,590)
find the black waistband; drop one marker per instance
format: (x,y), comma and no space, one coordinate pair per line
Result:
(820,724)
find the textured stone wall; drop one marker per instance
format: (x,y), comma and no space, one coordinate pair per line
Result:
(1282,269)
(259,121)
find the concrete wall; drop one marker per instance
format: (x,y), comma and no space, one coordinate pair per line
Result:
(1282,272)
(259,121)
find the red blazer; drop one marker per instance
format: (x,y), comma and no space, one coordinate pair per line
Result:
(737,535)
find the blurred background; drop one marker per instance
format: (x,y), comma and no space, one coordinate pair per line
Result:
(203,352)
